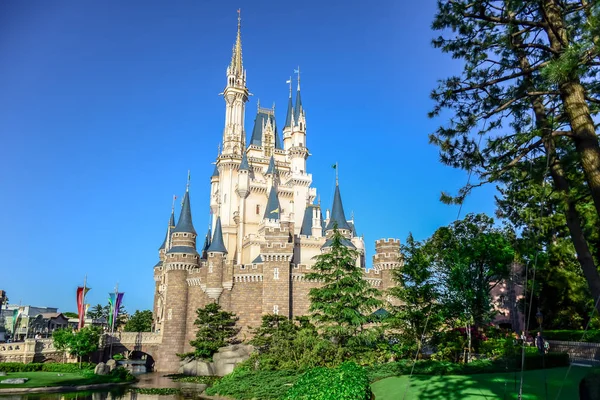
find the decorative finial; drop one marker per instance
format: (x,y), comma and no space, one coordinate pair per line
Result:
(352,216)
(173,205)
(239,11)
(273,107)
(290,83)
(335,166)
(218,150)
(187,186)
(297,71)
(319,201)
(257,104)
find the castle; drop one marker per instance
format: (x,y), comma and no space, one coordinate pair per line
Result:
(266,228)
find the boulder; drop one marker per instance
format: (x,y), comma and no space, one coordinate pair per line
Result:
(101,369)
(197,368)
(15,381)
(228,357)
(111,364)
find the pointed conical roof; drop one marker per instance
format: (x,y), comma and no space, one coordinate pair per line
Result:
(185,218)
(244,166)
(290,110)
(217,245)
(206,244)
(271,170)
(306,228)
(215,173)
(272,211)
(337,212)
(236,64)
(169,230)
(297,106)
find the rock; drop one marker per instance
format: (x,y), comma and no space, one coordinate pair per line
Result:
(111,364)
(228,357)
(14,381)
(2,373)
(197,368)
(101,369)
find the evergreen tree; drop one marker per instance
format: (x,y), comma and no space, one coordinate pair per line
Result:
(416,294)
(528,84)
(341,305)
(216,328)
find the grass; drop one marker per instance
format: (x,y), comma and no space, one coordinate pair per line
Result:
(483,386)
(44,379)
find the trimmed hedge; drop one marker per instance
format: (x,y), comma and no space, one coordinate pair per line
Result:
(46,367)
(592,335)
(348,382)
(245,384)
(589,387)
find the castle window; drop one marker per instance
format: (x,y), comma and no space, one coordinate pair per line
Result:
(185,235)
(242,266)
(275,273)
(257,209)
(185,256)
(276,309)
(225,198)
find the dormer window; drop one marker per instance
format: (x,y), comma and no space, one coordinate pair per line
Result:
(185,235)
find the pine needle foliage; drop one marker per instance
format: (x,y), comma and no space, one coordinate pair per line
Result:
(342,304)
(216,328)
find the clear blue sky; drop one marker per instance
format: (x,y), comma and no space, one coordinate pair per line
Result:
(105,105)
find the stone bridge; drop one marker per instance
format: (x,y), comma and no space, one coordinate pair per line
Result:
(135,345)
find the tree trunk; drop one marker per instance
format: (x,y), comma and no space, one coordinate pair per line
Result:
(572,94)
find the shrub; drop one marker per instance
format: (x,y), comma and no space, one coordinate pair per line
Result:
(589,387)
(118,357)
(573,335)
(47,367)
(122,374)
(348,381)
(550,360)
(244,383)
(20,367)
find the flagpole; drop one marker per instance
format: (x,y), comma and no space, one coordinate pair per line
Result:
(112,325)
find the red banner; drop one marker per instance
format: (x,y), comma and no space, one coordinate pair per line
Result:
(81,305)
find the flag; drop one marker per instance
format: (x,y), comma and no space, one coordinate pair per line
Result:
(288,81)
(114,299)
(81,304)
(296,71)
(16,316)
(334,166)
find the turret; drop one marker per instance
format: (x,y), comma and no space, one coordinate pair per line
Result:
(216,263)
(242,191)
(271,174)
(338,218)
(214,190)
(298,151)
(289,122)
(273,210)
(236,95)
(166,244)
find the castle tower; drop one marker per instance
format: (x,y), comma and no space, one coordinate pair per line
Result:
(243,190)
(159,277)
(179,259)
(298,152)
(338,217)
(216,264)
(236,95)
(386,259)
(289,122)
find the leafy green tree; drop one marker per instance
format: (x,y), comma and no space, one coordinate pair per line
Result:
(470,257)
(77,343)
(62,339)
(70,314)
(528,84)
(342,304)
(140,321)
(416,311)
(216,328)
(96,312)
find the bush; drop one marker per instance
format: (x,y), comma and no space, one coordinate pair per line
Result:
(348,381)
(589,387)
(122,374)
(550,360)
(244,383)
(592,336)
(48,367)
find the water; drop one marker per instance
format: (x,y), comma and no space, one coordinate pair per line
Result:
(190,391)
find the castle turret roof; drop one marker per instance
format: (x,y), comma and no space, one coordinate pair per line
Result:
(217,245)
(297,106)
(257,260)
(169,230)
(206,244)
(271,169)
(244,166)
(215,173)
(345,242)
(185,219)
(272,211)
(262,118)
(337,212)
(183,249)
(306,228)
(290,111)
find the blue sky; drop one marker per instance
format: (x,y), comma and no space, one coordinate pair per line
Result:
(104,106)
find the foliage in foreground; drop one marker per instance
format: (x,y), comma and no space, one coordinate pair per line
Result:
(45,367)
(592,336)
(80,343)
(348,381)
(140,321)
(216,328)
(244,383)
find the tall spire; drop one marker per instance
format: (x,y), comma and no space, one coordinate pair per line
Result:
(185,219)
(217,245)
(271,169)
(337,212)
(170,227)
(290,108)
(298,105)
(237,67)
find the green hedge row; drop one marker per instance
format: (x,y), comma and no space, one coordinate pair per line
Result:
(348,382)
(47,367)
(592,335)
(429,367)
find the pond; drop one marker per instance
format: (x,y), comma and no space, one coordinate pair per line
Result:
(149,380)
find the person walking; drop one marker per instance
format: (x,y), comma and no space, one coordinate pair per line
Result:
(540,343)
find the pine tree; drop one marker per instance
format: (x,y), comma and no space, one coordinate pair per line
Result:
(341,305)
(216,328)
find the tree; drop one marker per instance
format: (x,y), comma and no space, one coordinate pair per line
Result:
(528,84)
(62,339)
(140,321)
(216,328)
(70,314)
(80,343)
(96,312)
(417,312)
(341,305)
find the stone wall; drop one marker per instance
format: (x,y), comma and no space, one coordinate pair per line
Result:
(31,350)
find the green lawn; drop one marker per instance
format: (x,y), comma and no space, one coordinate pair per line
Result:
(38,379)
(482,386)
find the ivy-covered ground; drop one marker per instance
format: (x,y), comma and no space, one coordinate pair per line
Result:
(482,386)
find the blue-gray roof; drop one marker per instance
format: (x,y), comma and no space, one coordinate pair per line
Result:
(271,169)
(244,166)
(306,228)
(215,172)
(297,107)
(257,132)
(352,228)
(337,212)
(183,249)
(290,111)
(158,264)
(272,211)
(345,242)
(169,229)
(185,218)
(217,245)
(257,260)
(206,244)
